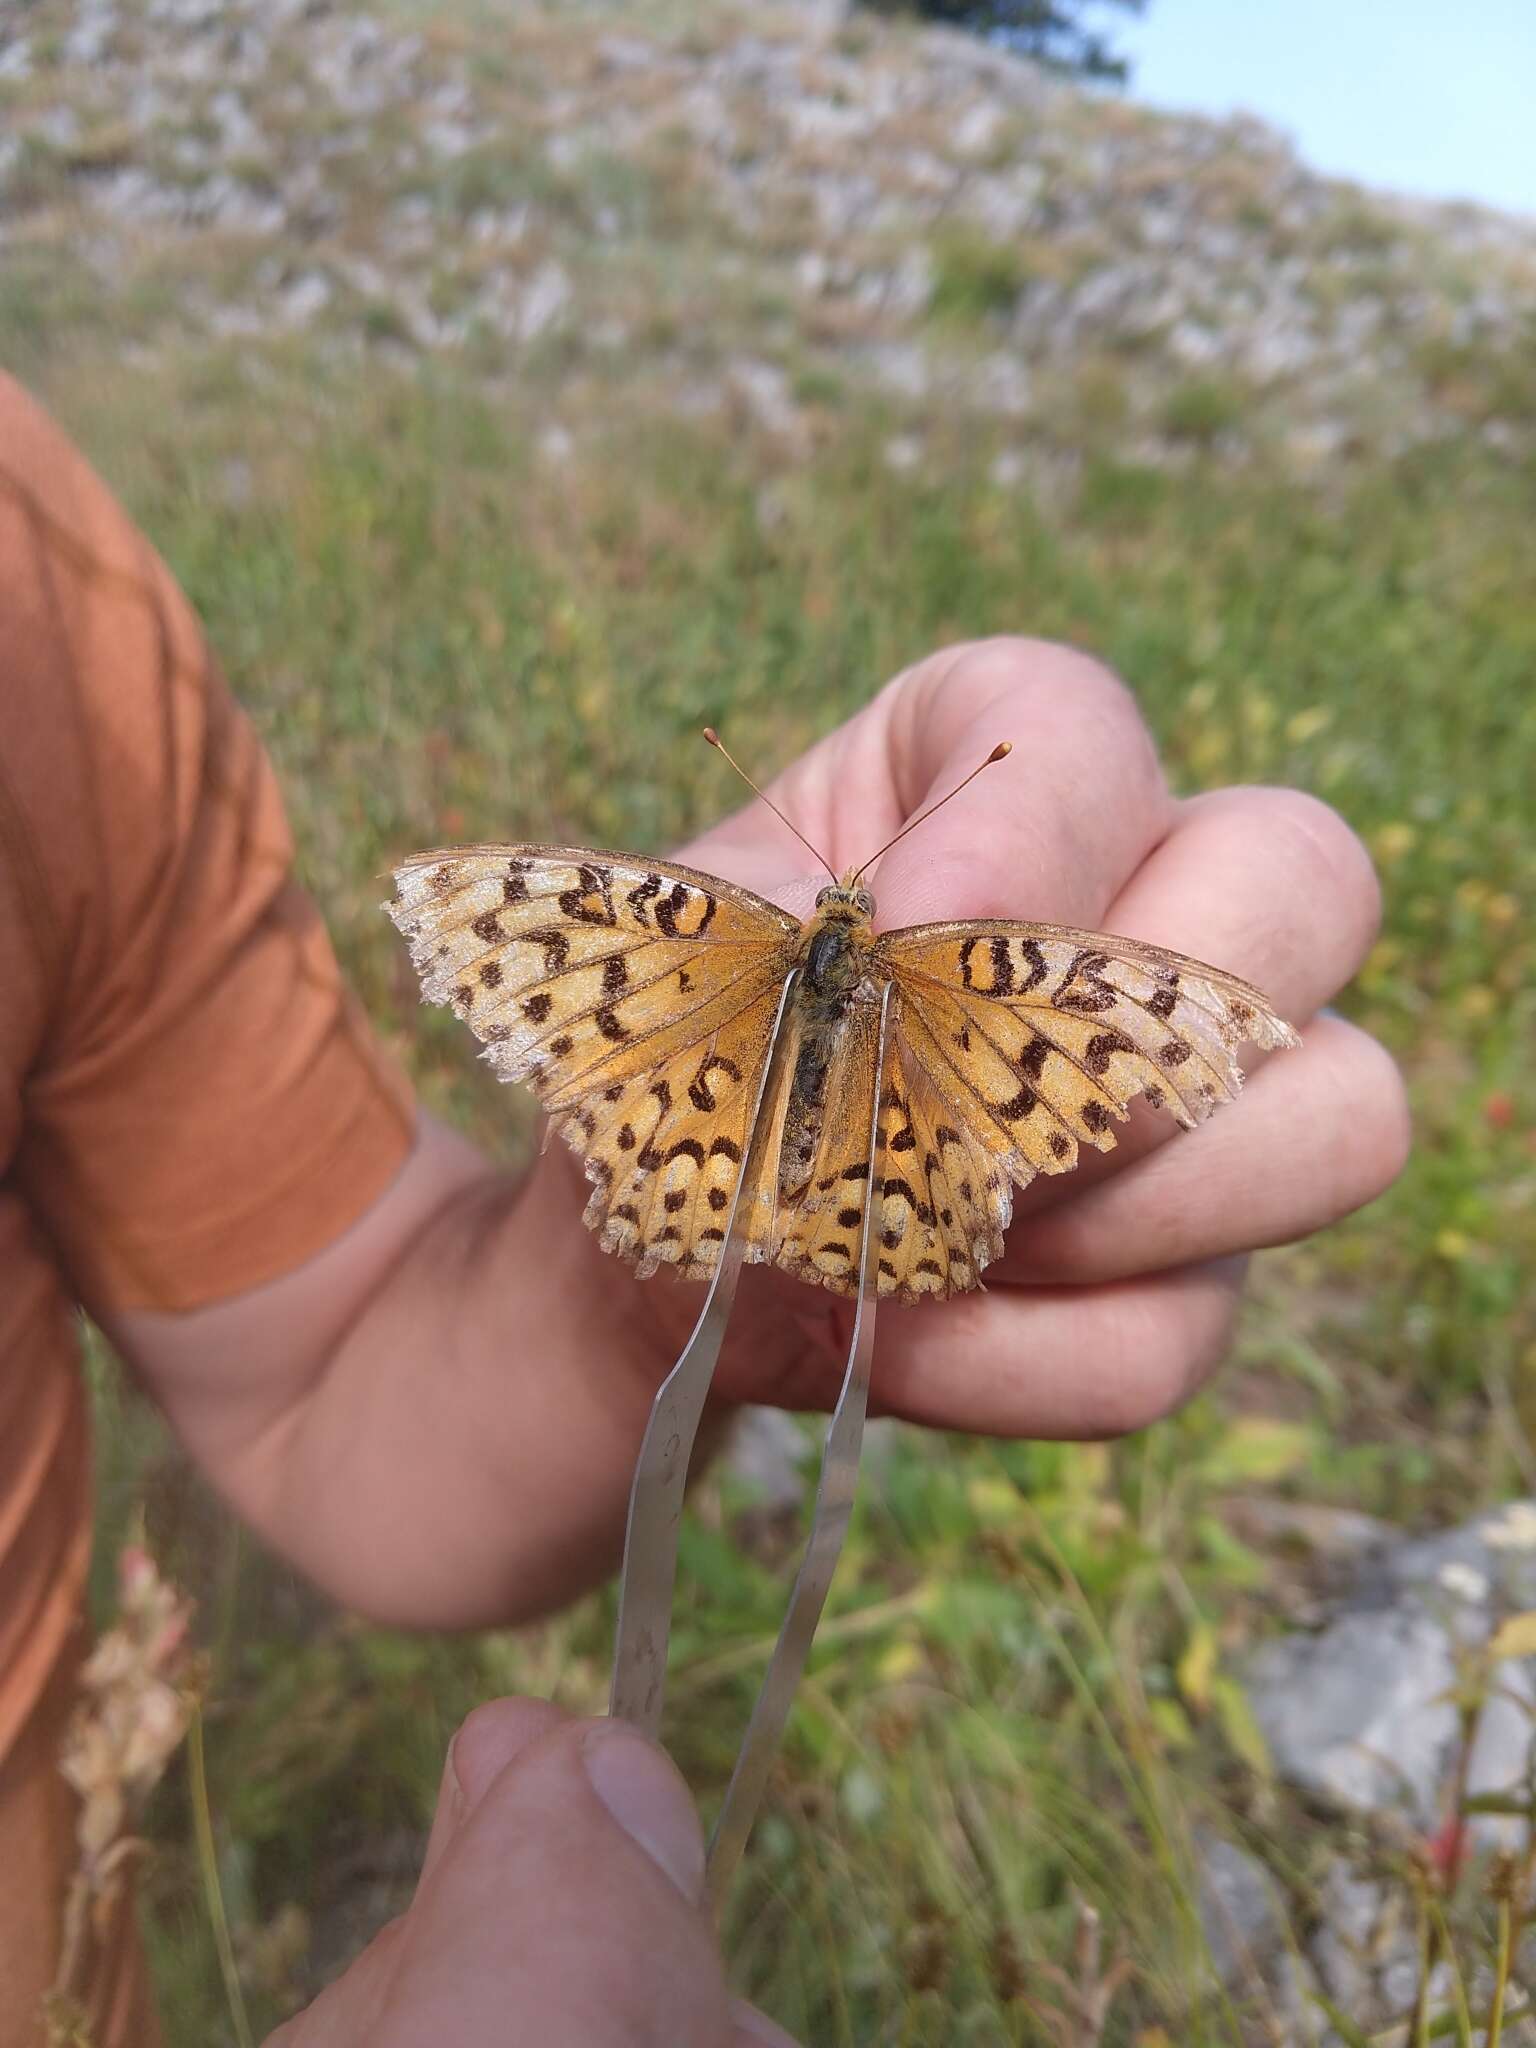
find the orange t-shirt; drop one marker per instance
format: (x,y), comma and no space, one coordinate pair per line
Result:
(190,1103)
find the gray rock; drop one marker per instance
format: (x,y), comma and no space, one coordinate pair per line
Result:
(1241,1912)
(769,1451)
(1351,1932)
(1356,1716)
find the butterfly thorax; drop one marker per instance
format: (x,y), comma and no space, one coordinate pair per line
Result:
(834,953)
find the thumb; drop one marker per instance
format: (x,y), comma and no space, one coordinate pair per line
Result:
(562,1883)
(569,1895)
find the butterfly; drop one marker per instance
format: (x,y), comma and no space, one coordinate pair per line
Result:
(638,999)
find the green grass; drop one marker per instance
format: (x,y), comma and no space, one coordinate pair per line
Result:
(1023,1695)
(974,277)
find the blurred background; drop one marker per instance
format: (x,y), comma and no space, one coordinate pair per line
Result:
(516,387)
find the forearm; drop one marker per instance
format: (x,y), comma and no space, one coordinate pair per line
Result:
(465,1457)
(437,1420)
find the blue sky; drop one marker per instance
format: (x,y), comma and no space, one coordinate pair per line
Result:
(1416,95)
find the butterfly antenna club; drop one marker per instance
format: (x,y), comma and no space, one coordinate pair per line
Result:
(999,752)
(721,748)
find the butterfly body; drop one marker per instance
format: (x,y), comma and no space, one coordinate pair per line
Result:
(637,998)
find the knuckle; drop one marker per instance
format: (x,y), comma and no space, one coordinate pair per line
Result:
(1171,1340)
(1371,1113)
(1012,661)
(1060,679)
(1328,855)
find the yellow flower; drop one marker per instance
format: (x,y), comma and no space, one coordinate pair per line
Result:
(1396,839)
(1453,1245)
(900,1662)
(1478,1002)
(1306,725)
(1384,954)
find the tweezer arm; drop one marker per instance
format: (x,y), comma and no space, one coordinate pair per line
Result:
(829,1526)
(661,1474)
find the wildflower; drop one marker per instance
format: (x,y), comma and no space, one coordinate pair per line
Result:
(1502,909)
(1515,1529)
(1446,1848)
(1464,1580)
(1395,839)
(137,1691)
(1306,725)
(1498,1110)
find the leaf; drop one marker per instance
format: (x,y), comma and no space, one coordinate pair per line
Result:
(1497,1802)
(1239,1726)
(1197,1666)
(1171,1723)
(1259,1448)
(994,1502)
(1514,1638)
(1348,2032)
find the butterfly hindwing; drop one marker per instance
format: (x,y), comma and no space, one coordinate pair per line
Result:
(665,1147)
(946,1194)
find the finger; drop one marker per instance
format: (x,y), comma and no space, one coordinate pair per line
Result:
(1312,1137)
(1065,1362)
(569,1898)
(755,2030)
(492,1737)
(1269,884)
(1052,831)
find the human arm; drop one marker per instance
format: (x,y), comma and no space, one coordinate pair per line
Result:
(437,1416)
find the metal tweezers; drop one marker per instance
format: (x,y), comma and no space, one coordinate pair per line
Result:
(656,1499)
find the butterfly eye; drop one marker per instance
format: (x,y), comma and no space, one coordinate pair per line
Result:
(863,902)
(824,897)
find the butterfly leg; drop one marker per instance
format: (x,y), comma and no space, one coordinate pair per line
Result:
(661,1474)
(829,1526)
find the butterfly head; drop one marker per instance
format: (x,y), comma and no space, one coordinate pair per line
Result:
(847,900)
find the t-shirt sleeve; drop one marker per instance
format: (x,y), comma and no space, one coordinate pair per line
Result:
(199,1104)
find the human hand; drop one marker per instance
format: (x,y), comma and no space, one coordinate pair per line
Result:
(558,1904)
(1116,1295)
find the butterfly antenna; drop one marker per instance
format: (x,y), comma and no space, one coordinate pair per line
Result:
(998,753)
(720,748)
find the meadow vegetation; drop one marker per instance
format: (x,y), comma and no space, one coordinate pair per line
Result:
(1025,1700)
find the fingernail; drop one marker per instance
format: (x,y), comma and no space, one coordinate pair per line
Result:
(649,1801)
(756,2027)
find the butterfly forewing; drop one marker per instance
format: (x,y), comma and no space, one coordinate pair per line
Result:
(1044,1034)
(637,997)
